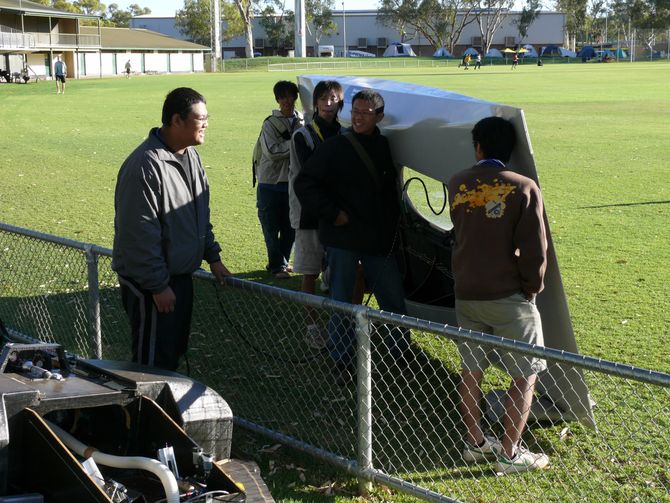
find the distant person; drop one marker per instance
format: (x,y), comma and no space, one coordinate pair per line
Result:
(162,231)
(128,69)
(327,101)
(352,184)
(272,191)
(515,61)
(498,262)
(478,62)
(4,74)
(60,71)
(24,75)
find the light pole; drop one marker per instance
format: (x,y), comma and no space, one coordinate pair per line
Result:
(344,32)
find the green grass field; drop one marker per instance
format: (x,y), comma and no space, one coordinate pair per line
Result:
(599,133)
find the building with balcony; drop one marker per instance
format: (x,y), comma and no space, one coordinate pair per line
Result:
(33,35)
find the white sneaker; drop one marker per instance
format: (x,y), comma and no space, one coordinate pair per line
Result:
(523,461)
(489,451)
(315,337)
(325,277)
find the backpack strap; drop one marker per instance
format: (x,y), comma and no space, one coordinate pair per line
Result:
(363,155)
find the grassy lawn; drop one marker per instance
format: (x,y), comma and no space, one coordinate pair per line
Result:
(599,133)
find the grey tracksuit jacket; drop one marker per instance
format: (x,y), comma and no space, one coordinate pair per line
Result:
(161,225)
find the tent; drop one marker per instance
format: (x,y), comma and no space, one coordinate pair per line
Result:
(620,53)
(471,51)
(530,51)
(587,52)
(442,52)
(360,54)
(399,50)
(565,53)
(494,53)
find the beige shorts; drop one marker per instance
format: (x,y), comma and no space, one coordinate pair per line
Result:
(307,252)
(513,317)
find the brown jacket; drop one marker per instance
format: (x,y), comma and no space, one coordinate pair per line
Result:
(500,241)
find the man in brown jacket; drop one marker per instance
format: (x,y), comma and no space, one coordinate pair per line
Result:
(498,262)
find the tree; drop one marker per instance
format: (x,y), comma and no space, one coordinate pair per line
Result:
(194,21)
(234,27)
(529,13)
(489,15)
(319,14)
(441,22)
(90,7)
(575,14)
(245,8)
(279,26)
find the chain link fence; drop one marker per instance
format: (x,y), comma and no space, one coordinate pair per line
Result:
(397,420)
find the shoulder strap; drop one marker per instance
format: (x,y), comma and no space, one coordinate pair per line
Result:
(363,155)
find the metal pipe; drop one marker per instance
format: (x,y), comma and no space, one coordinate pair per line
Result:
(94,328)
(364,395)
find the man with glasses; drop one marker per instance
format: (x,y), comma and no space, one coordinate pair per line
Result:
(352,185)
(162,231)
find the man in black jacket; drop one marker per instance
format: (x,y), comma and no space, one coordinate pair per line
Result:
(351,185)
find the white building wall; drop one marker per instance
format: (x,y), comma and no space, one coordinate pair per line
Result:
(39,64)
(180,62)
(198,61)
(156,62)
(92,64)
(108,63)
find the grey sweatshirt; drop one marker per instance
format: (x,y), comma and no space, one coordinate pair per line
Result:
(161,225)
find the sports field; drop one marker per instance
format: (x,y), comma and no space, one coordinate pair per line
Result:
(599,132)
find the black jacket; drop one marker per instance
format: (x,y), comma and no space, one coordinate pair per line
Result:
(335,178)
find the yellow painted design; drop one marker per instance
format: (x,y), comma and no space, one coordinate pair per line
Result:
(490,197)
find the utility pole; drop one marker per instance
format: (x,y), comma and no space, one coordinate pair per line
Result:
(215,32)
(344,32)
(300,42)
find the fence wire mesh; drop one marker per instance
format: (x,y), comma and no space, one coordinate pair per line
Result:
(256,345)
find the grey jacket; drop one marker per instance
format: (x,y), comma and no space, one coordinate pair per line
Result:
(273,167)
(161,225)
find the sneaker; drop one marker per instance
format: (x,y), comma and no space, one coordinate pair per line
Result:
(282,275)
(325,277)
(315,337)
(489,451)
(523,461)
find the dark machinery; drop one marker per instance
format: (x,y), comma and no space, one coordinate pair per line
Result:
(101,431)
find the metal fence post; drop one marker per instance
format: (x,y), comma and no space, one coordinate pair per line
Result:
(364,395)
(93,302)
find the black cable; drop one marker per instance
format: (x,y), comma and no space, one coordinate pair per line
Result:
(255,348)
(425,189)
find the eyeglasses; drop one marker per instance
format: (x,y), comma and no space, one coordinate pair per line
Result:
(201,118)
(364,113)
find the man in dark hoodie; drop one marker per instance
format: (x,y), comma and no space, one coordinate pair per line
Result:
(498,261)
(162,231)
(352,185)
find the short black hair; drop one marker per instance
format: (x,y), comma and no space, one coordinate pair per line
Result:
(496,137)
(179,101)
(326,86)
(285,88)
(372,96)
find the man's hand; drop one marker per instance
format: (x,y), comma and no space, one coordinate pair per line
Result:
(165,300)
(219,271)
(342,219)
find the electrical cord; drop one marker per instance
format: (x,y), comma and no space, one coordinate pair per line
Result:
(250,344)
(425,189)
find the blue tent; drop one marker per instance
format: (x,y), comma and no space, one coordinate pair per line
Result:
(587,52)
(620,53)
(471,51)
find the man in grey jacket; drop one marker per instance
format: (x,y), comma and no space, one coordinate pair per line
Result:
(163,231)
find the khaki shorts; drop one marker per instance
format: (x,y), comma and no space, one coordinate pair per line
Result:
(513,317)
(307,252)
